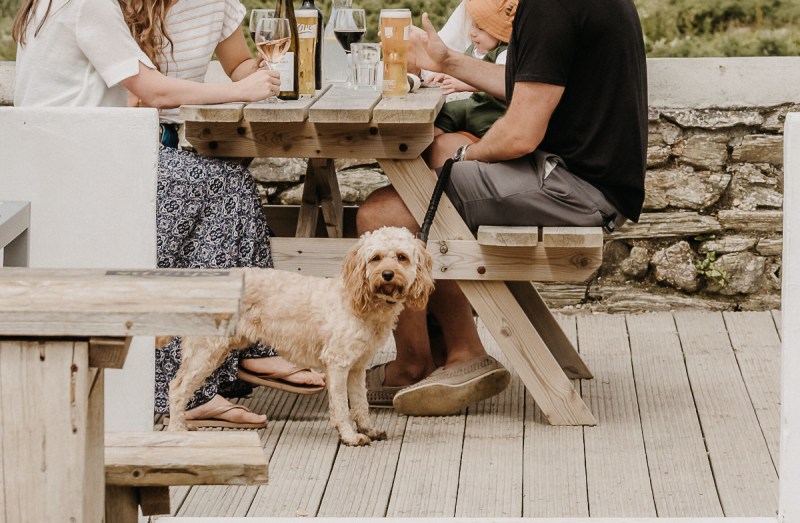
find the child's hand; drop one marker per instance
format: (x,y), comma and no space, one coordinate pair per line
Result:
(454,85)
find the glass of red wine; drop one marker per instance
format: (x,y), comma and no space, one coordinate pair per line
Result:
(349,27)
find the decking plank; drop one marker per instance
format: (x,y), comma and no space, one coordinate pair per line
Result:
(490,482)
(776,317)
(302,462)
(616,464)
(554,470)
(683,484)
(426,482)
(223,500)
(367,472)
(745,476)
(758,350)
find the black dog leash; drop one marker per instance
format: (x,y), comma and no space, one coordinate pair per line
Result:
(444,176)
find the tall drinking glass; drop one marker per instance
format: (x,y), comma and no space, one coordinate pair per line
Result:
(349,28)
(395,28)
(273,38)
(307,20)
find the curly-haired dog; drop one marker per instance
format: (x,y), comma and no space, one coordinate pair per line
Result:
(331,324)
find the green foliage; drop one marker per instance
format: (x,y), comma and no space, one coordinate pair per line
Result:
(437,10)
(708,269)
(689,28)
(671,27)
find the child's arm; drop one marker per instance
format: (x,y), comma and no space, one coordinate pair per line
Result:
(454,85)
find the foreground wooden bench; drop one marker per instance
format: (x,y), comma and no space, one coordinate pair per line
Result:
(58,330)
(141,466)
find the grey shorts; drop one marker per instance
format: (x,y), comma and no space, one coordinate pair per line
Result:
(517,192)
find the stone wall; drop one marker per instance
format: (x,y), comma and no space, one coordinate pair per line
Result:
(710,235)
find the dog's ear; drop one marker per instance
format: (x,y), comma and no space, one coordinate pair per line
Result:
(354,276)
(422,287)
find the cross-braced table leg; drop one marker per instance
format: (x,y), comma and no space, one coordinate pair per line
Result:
(536,357)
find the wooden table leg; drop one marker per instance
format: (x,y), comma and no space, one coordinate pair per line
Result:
(548,328)
(320,189)
(513,330)
(122,504)
(51,432)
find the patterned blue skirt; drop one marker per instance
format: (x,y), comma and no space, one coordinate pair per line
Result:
(209,216)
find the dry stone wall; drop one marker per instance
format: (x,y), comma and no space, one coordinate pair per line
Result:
(710,234)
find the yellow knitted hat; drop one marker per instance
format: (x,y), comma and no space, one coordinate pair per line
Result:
(493,16)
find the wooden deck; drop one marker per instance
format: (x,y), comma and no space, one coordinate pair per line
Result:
(688,410)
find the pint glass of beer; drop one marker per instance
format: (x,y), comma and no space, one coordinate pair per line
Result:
(395,26)
(307,39)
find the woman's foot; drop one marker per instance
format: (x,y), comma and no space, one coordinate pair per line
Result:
(217,408)
(277,366)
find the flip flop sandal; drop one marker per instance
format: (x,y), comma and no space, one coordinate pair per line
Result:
(277,380)
(378,394)
(214,419)
(448,391)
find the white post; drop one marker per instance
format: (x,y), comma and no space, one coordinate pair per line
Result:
(90,175)
(789,505)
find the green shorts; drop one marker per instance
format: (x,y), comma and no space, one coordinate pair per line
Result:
(468,115)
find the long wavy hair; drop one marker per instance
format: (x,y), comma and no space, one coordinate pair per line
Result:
(23,18)
(145,19)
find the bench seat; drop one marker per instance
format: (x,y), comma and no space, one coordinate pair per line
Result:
(141,466)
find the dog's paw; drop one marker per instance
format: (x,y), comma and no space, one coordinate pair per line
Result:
(374,434)
(357,440)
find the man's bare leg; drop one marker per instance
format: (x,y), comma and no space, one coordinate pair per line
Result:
(414,360)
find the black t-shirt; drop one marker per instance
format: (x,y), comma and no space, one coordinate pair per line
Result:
(595,50)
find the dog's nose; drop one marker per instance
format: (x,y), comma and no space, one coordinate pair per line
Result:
(387,275)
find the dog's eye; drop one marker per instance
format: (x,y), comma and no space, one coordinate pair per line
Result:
(375,258)
(402,257)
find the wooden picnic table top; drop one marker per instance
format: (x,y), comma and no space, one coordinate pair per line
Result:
(331,105)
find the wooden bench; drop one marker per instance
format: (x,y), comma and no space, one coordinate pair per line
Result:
(15,219)
(141,466)
(59,329)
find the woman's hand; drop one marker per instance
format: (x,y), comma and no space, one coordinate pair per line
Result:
(259,86)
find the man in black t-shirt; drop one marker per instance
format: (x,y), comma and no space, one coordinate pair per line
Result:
(571,150)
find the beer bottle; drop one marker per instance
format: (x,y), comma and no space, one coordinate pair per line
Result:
(309,4)
(288,65)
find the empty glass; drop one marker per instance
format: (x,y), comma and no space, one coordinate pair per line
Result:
(364,65)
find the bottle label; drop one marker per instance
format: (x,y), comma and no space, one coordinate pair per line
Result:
(286,68)
(306,31)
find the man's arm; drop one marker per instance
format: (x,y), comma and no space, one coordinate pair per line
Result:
(428,51)
(522,128)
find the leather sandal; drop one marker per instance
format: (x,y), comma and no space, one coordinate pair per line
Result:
(214,419)
(378,394)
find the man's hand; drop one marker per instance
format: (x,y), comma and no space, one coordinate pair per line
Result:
(426,51)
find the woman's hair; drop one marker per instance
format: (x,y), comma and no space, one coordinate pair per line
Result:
(145,18)
(23,18)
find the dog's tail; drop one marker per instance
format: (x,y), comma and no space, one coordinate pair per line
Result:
(444,176)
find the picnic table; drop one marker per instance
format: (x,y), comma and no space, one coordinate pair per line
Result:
(59,330)
(495,273)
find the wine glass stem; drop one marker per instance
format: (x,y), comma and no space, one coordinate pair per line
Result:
(350,78)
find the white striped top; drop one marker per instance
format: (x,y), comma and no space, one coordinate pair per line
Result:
(196,27)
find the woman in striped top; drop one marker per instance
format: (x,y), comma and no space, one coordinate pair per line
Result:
(209,212)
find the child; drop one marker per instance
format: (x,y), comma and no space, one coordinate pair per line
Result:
(490,32)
